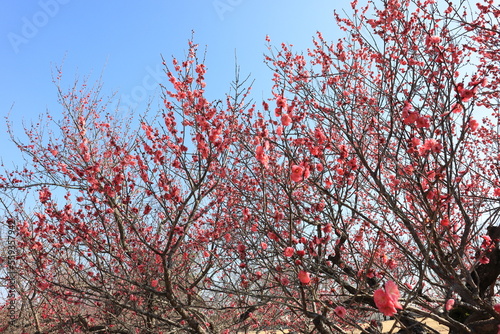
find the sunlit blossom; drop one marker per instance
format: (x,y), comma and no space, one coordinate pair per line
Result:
(297,174)
(449,304)
(387,299)
(286,120)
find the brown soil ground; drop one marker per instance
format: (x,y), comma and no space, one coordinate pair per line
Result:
(387,326)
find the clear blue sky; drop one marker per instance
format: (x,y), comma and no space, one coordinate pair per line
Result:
(123,41)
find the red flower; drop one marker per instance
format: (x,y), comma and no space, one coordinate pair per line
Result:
(456,108)
(340,311)
(297,174)
(262,156)
(286,120)
(434,39)
(473,124)
(497,307)
(387,299)
(445,222)
(484,260)
(265,105)
(449,304)
(304,277)
(289,251)
(430,145)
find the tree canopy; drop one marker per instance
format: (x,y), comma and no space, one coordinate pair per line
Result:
(366,186)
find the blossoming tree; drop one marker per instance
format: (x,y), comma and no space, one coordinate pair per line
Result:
(366,186)
(371,166)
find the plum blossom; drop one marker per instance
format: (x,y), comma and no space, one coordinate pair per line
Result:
(262,156)
(304,277)
(473,124)
(456,108)
(430,145)
(465,94)
(44,195)
(387,299)
(340,311)
(286,120)
(279,130)
(434,39)
(484,260)
(297,174)
(289,251)
(449,304)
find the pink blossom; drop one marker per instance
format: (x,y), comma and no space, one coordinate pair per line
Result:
(449,304)
(411,118)
(387,299)
(265,105)
(423,122)
(281,102)
(456,108)
(328,228)
(484,260)
(340,311)
(271,235)
(430,145)
(465,94)
(43,285)
(261,156)
(297,174)
(445,222)
(434,39)
(279,130)
(286,120)
(242,250)
(289,251)
(304,277)
(320,135)
(473,124)
(496,307)
(44,195)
